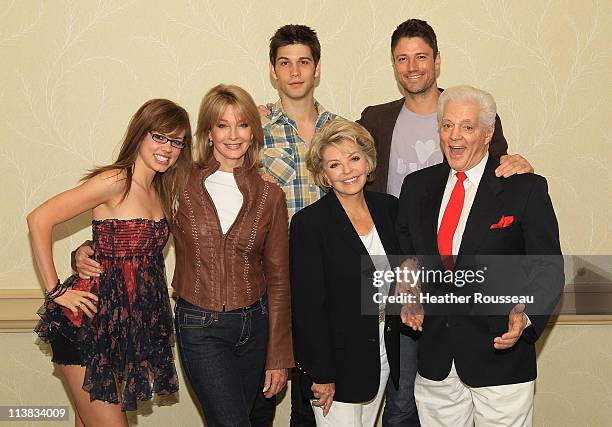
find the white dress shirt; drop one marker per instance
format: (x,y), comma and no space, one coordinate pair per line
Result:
(470,186)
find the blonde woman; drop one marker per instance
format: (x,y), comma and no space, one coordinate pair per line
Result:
(233,313)
(344,356)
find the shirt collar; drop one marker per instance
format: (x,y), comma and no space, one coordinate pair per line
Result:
(474,175)
(277,113)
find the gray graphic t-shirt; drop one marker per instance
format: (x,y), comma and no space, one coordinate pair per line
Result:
(415,145)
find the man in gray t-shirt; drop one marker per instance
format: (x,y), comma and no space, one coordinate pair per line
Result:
(406,135)
(414,145)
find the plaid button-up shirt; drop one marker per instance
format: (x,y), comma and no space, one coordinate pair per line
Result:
(284,156)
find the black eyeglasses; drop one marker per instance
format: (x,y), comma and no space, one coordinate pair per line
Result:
(162,139)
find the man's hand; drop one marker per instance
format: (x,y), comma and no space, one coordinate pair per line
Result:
(323,396)
(85,266)
(275,381)
(412,315)
(511,164)
(517,322)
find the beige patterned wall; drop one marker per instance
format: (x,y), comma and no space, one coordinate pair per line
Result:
(73,72)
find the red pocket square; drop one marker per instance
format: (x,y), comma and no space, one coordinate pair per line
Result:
(504,221)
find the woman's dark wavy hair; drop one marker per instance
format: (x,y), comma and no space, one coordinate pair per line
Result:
(166,117)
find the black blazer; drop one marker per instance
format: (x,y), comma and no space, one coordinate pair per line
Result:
(469,339)
(334,342)
(380,120)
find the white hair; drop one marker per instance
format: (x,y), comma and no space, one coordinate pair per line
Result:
(465,93)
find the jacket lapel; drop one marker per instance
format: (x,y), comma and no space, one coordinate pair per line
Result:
(485,210)
(384,225)
(431,209)
(383,142)
(387,124)
(342,221)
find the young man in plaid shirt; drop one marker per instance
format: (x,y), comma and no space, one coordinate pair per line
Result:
(289,126)
(293,120)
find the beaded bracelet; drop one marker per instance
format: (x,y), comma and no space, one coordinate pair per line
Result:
(59,290)
(47,292)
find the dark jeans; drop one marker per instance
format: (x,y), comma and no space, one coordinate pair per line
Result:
(400,407)
(263,411)
(223,354)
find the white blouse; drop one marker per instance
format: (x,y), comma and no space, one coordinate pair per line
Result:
(226,197)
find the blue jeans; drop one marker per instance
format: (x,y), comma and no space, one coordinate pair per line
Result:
(224,355)
(262,414)
(400,406)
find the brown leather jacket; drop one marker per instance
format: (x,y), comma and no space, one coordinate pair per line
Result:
(223,272)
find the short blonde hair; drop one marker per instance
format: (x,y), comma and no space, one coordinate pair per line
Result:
(334,133)
(212,108)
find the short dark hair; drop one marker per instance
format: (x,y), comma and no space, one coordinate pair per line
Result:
(295,34)
(415,28)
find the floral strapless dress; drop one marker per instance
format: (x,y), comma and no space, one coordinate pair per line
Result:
(131,336)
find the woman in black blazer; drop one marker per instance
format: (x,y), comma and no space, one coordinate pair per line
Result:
(344,356)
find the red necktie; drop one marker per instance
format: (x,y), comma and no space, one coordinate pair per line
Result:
(450,221)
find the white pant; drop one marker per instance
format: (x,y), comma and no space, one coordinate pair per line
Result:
(358,414)
(452,403)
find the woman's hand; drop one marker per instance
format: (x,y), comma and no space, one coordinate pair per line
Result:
(267,177)
(75,300)
(275,381)
(323,396)
(264,110)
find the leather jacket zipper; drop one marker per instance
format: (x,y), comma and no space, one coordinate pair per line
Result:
(223,283)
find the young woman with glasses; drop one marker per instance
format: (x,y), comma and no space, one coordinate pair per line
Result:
(112,332)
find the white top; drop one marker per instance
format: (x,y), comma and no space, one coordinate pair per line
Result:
(226,197)
(376,250)
(373,244)
(470,186)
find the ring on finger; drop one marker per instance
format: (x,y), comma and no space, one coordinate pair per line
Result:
(80,304)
